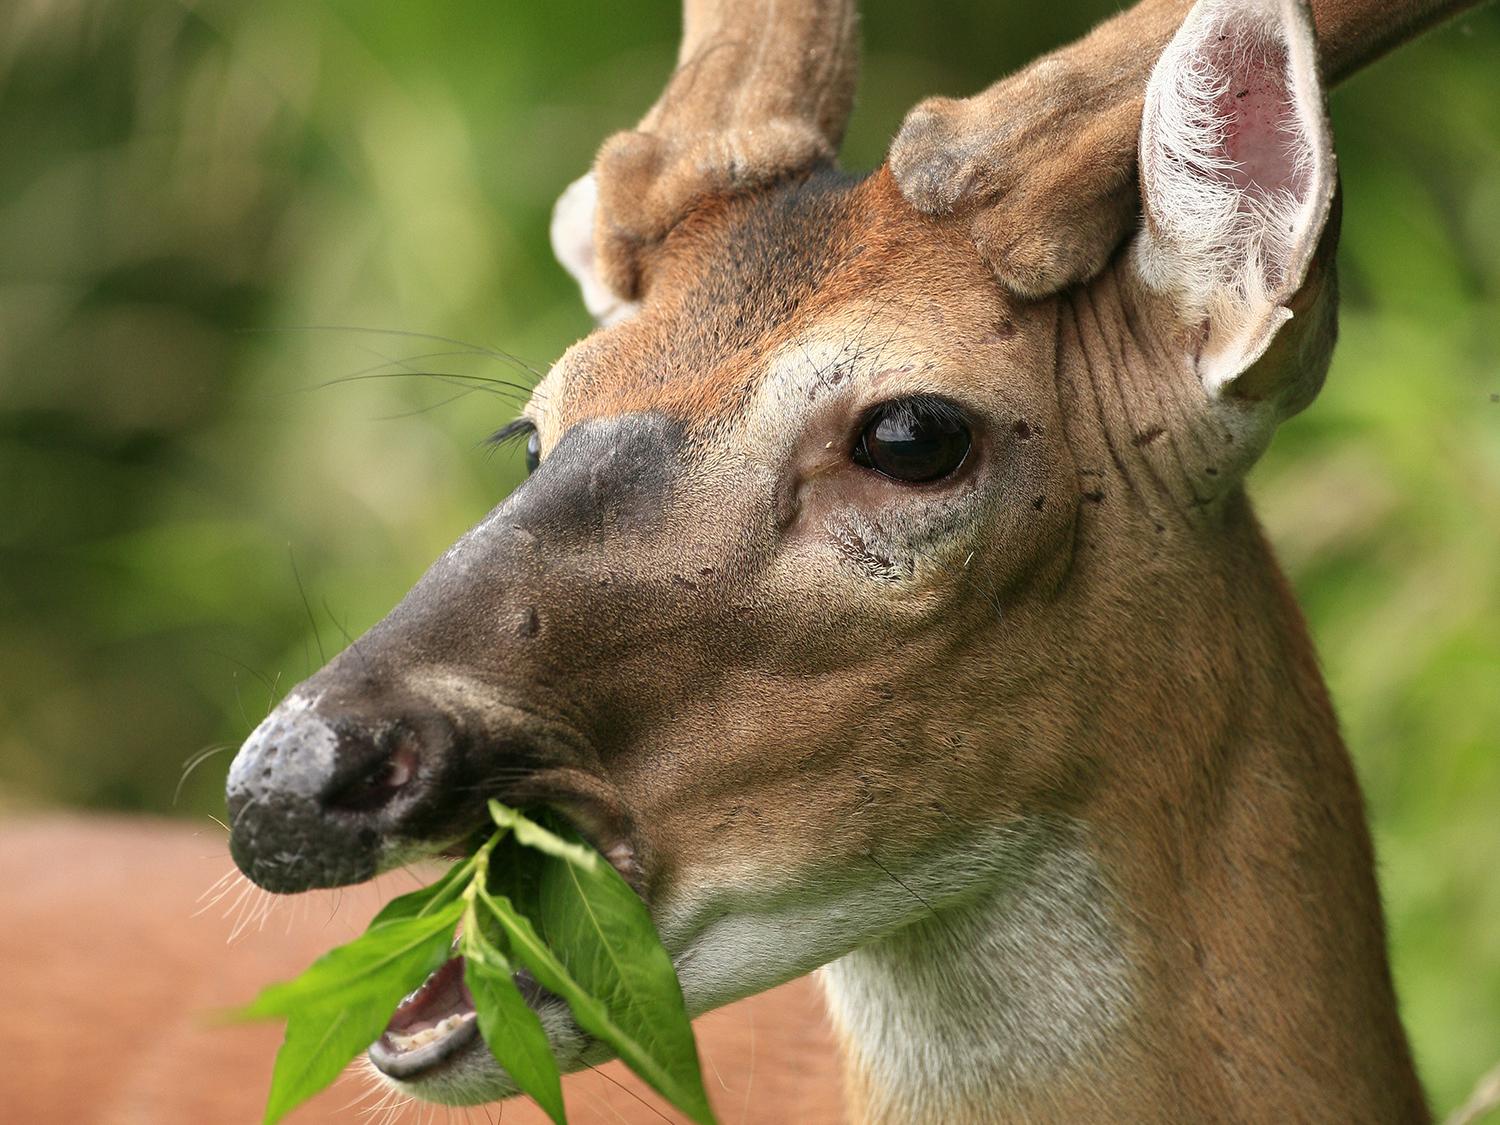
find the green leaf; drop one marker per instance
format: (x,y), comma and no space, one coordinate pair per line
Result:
(429,898)
(317,1046)
(602,931)
(341,1005)
(604,960)
(666,1055)
(533,835)
(388,959)
(512,1031)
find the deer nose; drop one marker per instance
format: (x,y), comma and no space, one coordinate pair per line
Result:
(317,799)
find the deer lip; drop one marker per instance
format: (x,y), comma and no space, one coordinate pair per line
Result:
(606,832)
(429,1027)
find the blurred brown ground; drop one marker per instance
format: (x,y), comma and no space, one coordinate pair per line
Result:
(112,969)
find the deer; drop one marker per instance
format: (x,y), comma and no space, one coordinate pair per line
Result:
(884,598)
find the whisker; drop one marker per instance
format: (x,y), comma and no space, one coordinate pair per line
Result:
(893,878)
(272,698)
(269,905)
(420,357)
(628,1090)
(217,889)
(239,704)
(714,1066)
(302,591)
(429,408)
(257,673)
(518,392)
(390,1102)
(476,349)
(369,1088)
(296,914)
(749,1076)
(193,762)
(343,629)
(237,908)
(247,913)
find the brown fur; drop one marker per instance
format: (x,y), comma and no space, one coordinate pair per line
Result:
(762,88)
(1165,692)
(744,274)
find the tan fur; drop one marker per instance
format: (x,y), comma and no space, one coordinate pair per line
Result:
(1127,654)
(1129,659)
(1042,164)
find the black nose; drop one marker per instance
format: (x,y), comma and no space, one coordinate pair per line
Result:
(319,797)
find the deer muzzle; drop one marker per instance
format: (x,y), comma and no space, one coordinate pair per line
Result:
(322,792)
(505,672)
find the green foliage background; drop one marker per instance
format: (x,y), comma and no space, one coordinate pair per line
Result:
(185,187)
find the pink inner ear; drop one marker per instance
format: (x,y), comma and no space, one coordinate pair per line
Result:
(1236,173)
(1262,133)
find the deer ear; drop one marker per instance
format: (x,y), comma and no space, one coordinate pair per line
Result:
(1237,181)
(573,220)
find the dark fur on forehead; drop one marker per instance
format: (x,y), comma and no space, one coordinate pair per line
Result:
(739,268)
(742,275)
(725,286)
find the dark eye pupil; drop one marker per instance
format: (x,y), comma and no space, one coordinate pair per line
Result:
(914,440)
(533,451)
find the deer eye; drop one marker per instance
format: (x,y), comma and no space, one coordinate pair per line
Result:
(533,450)
(916,440)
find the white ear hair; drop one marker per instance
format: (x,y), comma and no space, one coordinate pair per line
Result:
(573,243)
(1237,174)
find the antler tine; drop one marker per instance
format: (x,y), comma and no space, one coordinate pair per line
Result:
(762,89)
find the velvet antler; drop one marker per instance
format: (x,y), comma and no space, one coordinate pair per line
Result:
(762,88)
(1043,163)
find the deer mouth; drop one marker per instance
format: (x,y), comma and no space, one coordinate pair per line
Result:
(437,1024)
(429,1027)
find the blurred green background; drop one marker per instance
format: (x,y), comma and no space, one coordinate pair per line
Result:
(225,229)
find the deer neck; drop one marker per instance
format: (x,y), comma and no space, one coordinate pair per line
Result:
(1201,941)
(1196,933)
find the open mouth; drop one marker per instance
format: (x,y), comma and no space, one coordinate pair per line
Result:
(435,1024)
(429,1027)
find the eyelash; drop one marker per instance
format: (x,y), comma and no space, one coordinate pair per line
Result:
(508,433)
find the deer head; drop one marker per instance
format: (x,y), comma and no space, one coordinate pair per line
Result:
(867,613)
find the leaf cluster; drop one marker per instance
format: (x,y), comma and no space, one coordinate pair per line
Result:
(532,897)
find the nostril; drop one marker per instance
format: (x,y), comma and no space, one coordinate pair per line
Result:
(380,785)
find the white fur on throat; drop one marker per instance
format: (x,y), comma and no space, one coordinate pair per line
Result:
(1232,252)
(993,1002)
